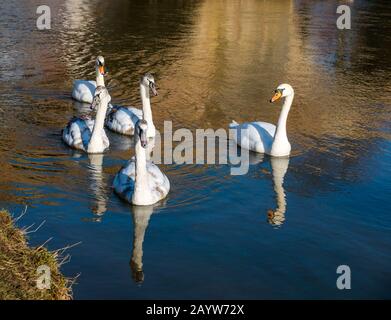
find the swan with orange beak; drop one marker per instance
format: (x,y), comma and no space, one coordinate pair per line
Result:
(264,137)
(83,90)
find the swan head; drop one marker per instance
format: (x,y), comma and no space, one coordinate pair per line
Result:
(148,81)
(137,272)
(282,91)
(275,218)
(141,132)
(100,65)
(101,96)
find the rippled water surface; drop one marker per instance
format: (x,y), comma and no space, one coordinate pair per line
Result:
(279,231)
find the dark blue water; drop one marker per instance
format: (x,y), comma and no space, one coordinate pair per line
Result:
(281,230)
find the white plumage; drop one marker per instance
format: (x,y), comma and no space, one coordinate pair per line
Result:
(83,90)
(263,137)
(254,136)
(158,183)
(77,134)
(140,181)
(87,134)
(123,119)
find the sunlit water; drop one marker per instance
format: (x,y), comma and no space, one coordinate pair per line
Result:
(279,231)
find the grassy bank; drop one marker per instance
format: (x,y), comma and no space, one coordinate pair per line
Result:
(19,263)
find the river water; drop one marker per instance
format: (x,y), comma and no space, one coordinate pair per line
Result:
(279,231)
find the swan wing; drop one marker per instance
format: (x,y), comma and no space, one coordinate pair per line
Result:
(106,141)
(158,182)
(124,180)
(254,136)
(77,133)
(123,119)
(83,90)
(136,111)
(268,128)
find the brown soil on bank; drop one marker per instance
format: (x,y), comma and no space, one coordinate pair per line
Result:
(19,263)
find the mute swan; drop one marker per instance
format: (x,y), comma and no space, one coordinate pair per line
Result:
(265,137)
(87,134)
(83,90)
(141,182)
(123,119)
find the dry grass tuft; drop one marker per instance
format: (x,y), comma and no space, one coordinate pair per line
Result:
(19,263)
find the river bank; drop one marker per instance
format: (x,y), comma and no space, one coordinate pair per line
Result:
(19,264)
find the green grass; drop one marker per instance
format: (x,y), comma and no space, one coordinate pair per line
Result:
(19,263)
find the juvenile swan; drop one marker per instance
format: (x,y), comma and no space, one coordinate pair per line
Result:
(123,119)
(265,137)
(141,182)
(87,134)
(83,90)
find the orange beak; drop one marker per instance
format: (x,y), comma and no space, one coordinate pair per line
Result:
(102,70)
(276,96)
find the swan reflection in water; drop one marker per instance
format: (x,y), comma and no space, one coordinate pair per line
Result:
(276,217)
(141,216)
(98,186)
(121,142)
(279,165)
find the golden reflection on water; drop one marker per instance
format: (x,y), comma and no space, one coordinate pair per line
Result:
(214,61)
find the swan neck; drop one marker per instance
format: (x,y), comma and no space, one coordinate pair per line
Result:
(141,182)
(146,101)
(281,125)
(96,142)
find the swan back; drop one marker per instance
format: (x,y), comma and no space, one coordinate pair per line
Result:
(141,182)
(124,184)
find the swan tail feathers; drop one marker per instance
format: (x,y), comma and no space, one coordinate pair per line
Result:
(233,124)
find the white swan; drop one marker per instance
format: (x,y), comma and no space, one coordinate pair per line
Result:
(265,137)
(87,134)
(141,182)
(83,90)
(123,119)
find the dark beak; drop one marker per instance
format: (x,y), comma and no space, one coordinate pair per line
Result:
(153,88)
